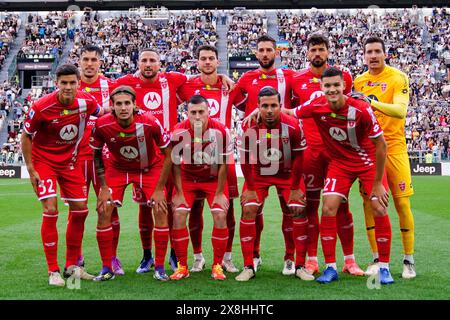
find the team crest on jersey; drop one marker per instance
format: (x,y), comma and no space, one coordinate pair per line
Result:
(402,186)
(68,132)
(337,134)
(129,152)
(163,82)
(141,139)
(285,140)
(351,123)
(152,100)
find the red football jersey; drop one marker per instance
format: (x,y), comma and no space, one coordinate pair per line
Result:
(59,129)
(200,156)
(220,101)
(253,81)
(306,87)
(271,149)
(133,148)
(346,133)
(159,97)
(100,90)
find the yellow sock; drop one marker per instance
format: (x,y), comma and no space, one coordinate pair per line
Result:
(370,225)
(406,219)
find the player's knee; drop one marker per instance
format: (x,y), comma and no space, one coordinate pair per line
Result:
(249,212)
(328,210)
(179,219)
(379,211)
(220,219)
(77,205)
(51,209)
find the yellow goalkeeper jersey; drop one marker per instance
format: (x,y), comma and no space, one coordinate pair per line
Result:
(390,86)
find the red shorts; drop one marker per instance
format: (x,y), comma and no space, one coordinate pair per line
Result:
(200,190)
(144,184)
(140,198)
(315,164)
(340,180)
(70,180)
(262,185)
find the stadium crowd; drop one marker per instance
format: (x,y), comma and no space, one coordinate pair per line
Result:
(122,37)
(9,26)
(44,36)
(418,45)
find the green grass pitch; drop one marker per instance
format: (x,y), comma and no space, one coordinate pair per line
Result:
(23,268)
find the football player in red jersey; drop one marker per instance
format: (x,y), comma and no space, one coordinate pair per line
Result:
(272,155)
(221,101)
(357,149)
(134,139)
(250,84)
(54,128)
(99,87)
(201,148)
(306,87)
(155,93)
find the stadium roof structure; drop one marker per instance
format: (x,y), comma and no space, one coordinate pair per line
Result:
(27,5)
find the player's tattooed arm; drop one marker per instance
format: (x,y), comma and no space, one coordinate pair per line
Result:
(26,151)
(104,195)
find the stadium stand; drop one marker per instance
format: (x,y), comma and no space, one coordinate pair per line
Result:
(417,42)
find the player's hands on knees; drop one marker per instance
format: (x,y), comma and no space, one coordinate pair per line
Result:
(104,196)
(158,201)
(221,200)
(249,196)
(253,116)
(380,194)
(35,179)
(296,202)
(178,200)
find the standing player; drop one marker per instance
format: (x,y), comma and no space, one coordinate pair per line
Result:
(133,139)
(250,84)
(201,148)
(99,87)
(210,86)
(306,87)
(387,89)
(272,155)
(156,93)
(357,149)
(53,130)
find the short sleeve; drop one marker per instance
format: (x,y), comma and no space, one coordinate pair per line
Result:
(161,136)
(32,120)
(96,140)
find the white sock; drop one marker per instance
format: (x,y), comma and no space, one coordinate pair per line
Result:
(350,257)
(384,265)
(198,256)
(227,256)
(409,257)
(313,258)
(375,255)
(333,265)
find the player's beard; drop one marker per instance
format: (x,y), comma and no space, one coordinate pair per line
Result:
(208,73)
(148,77)
(318,63)
(267,65)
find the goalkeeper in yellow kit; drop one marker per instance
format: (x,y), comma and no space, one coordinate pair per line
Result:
(387,91)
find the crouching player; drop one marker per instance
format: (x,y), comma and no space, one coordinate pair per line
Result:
(201,146)
(132,138)
(355,143)
(271,155)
